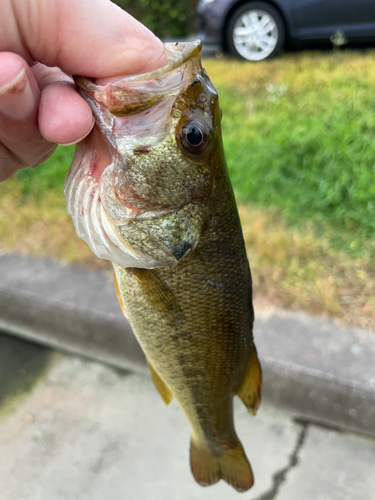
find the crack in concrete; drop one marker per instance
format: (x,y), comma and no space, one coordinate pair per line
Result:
(280,477)
(329,426)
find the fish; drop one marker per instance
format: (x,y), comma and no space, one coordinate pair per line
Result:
(149,191)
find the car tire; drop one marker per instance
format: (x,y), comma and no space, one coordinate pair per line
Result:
(255,32)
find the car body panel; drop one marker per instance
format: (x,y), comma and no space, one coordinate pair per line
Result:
(213,17)
(314,19)
(304,19)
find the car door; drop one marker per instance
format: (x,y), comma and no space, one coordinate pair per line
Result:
(314,19)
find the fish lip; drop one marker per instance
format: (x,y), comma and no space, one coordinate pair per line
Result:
(190,50)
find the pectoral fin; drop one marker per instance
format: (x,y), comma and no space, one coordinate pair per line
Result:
(119,298)
(163,390)
(250,390)
(159,296)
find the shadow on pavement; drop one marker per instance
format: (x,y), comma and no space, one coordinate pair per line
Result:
(22,364)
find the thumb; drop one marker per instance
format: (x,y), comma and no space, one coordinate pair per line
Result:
(93,38)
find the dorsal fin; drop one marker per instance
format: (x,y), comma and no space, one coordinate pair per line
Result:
(251,387)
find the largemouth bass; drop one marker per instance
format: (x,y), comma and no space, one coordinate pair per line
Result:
(149,191)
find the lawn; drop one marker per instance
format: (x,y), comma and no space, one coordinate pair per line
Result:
(299,134)
(299,137)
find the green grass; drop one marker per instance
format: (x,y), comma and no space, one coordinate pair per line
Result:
(299,135)
(49,177)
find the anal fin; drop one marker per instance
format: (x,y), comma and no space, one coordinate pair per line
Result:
(251,387)
(161,387)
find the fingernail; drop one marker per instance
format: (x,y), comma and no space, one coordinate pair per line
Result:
(17,99)
(81,138)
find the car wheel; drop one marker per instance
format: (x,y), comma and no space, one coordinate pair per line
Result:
(255,32)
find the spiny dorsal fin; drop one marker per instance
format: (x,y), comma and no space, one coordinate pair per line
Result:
(162,388)
(159,295)
(251,388)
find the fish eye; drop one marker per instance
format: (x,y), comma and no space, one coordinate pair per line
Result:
(195,137)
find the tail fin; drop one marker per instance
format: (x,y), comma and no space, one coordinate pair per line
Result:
(233,467)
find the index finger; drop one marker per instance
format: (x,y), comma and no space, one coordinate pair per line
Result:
(92,38)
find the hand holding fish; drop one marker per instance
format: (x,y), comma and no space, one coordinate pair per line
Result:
(148,190)
(42,42)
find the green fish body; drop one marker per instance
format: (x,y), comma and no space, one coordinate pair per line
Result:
(157,201)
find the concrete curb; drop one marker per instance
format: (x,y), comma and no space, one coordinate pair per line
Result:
(309,365)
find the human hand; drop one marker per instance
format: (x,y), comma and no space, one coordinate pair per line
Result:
(42,42)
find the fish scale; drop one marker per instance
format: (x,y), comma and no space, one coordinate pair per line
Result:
(203,361)
(167,218)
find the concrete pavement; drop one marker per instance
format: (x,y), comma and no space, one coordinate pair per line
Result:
(80,430)
(310,365)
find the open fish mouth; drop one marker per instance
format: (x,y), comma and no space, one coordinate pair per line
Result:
(119,189)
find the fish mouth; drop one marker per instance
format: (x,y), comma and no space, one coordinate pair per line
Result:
(130,232)
(147,89)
